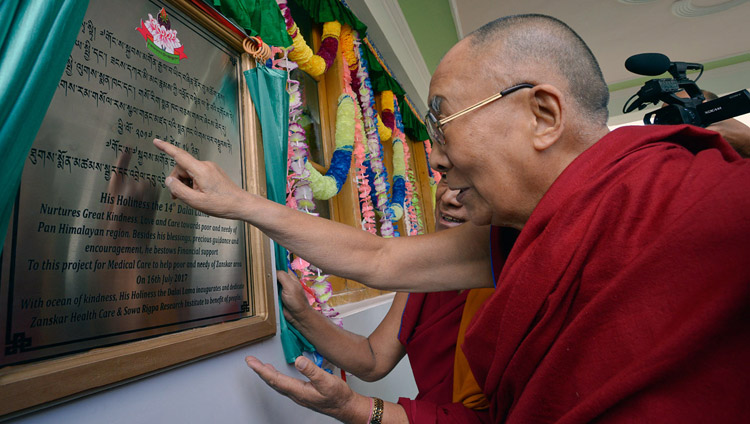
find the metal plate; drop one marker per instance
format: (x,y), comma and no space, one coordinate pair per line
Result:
(98,253)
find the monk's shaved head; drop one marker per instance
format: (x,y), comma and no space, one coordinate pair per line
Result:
(536,47)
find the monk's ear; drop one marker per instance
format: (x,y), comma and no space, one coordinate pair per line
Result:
(547,108)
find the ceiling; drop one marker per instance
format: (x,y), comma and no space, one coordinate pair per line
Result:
(617,29)
(613,29)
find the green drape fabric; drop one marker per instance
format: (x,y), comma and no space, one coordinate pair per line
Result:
(36,37)
(268,91)
(413,127)
(379,77)
(322,11)
(258,17)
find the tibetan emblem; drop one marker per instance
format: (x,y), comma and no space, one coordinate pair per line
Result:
(161,39)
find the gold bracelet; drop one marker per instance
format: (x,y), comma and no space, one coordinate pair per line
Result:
(377,411)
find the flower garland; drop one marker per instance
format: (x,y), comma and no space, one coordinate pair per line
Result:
(362,165)
(411,199)
(298,184)
(386,122)
(326,186)
(347,47)
(413,211)
(350,51)
(417,123)
(395,207)
(380,175)
(300,196)
(393,210)
(314,64)
(360,150)
(363,174)
(378,128)
(434,176)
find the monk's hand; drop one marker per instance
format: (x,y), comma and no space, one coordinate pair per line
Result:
(293,297)
(202,185)
(324,393)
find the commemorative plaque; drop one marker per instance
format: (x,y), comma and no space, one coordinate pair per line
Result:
(97,252)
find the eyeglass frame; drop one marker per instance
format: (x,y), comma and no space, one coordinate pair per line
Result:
(435,126)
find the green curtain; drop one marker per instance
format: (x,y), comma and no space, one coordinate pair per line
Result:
(36,37)
(257,17)
(322,11)
(268,91)
(413,127)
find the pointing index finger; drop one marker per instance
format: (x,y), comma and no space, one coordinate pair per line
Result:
(183,158)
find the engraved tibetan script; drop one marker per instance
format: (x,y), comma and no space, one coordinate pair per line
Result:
(97,252)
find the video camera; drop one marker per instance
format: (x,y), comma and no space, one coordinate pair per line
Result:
(679,110)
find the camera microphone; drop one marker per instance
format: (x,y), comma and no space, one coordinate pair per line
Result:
(648,64)
(653,64)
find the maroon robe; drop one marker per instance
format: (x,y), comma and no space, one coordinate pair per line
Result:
(429,329)
(626,297)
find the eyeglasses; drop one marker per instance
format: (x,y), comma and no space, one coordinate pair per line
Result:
(435,125)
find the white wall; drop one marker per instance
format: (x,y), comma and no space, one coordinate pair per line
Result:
(222,389)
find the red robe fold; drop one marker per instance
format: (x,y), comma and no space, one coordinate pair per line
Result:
(429,329)
(626,297)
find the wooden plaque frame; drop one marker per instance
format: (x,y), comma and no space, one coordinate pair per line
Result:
(26,387)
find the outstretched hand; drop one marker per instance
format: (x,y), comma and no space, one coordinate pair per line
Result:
(202,185)
(324,393)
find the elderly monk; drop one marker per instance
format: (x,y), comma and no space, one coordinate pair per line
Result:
(425,326)
(624,298)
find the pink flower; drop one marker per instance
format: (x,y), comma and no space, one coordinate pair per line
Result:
(165,39)
(299,264)
(151,24)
